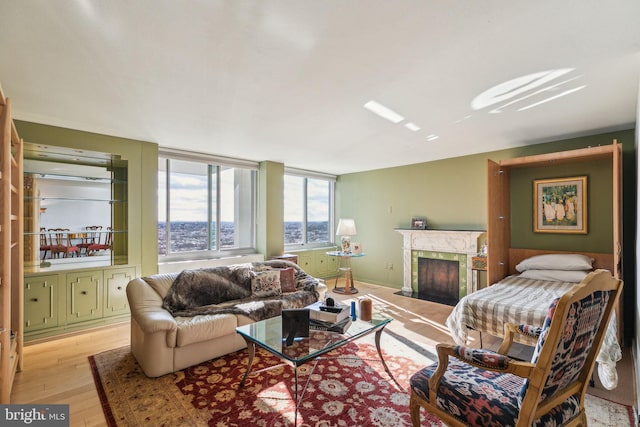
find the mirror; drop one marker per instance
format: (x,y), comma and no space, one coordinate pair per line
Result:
(75,209)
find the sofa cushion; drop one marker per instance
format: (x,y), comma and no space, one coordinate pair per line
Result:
(288,279)
(266,284)
(203,328)
(161,282)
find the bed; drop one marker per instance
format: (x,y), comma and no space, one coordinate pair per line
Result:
(524,298)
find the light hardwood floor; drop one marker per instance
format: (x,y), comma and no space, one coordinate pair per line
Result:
(58,372)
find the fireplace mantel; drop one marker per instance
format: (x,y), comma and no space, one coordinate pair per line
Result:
(449,241)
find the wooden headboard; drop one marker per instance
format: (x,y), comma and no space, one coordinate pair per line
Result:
(604,261)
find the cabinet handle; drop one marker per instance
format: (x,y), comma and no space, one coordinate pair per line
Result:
(83,292)
(34,299)
(119,288)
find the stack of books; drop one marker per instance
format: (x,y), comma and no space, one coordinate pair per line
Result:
(334,319)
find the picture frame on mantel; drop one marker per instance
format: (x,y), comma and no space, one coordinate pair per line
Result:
(560,205)
(356,248)
(418,223)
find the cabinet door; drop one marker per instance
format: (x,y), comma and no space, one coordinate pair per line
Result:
(322,261)
(84,296)
(40,302)
(306,263)
(332,265)
(115,284)
(498,221)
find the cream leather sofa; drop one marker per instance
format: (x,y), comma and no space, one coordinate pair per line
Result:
(162,343)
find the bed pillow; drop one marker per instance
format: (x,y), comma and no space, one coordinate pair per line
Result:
(556,262)
(556,275)
(266,284)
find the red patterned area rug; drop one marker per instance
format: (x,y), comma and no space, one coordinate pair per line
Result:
(347,387)
(341,390)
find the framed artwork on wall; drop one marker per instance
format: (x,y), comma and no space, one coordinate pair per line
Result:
(560,205)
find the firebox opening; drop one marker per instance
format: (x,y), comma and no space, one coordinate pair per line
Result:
(439,280)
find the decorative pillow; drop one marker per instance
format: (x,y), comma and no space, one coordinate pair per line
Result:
(288,279)
(556,262)
(556,275)
(266,284)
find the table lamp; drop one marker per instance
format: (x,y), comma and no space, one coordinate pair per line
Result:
(346,229)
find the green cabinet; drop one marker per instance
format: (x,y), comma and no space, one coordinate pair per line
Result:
(317,263)
(322,261)
(332,265)
(40,302)
(84,296)
(115,285)
(305,261)
(71,300)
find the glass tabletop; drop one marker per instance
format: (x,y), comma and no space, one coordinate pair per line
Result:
(268,334)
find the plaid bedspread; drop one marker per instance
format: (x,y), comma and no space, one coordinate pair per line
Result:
(512,300)
(523,301)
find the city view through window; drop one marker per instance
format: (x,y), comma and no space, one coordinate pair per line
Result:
(192,236)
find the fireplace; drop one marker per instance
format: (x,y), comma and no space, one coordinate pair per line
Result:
(439,280)
(445,245)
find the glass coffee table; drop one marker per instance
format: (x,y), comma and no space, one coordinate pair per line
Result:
(267,334)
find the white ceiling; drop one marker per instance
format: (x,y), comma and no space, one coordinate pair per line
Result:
(286,80)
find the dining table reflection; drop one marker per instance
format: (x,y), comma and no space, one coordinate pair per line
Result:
(65,243)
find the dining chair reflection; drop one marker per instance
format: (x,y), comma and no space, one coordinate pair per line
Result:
(61,243)
(92,236)
(106,245)
(45,243)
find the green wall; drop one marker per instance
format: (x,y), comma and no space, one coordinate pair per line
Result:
(451,194)
(270,229)
(599,237)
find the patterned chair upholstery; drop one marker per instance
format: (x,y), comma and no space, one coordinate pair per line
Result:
(480,387)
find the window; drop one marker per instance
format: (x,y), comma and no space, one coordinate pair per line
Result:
(308,209)
(206,207)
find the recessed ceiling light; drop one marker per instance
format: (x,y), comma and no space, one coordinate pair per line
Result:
(432,137)
(384,112)
(412,126)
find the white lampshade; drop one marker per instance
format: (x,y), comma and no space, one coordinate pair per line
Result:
(346,227)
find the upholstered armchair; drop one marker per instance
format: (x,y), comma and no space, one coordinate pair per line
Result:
(480,387)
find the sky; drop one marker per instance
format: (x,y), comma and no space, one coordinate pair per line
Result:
(188,192)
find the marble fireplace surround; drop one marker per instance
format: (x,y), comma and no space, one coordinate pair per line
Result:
(446,241)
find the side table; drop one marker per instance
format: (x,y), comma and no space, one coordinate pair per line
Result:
(344,266)
(478,264)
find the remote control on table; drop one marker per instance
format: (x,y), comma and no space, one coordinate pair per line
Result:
(330,309)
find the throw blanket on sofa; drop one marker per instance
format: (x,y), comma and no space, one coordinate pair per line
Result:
(227,290)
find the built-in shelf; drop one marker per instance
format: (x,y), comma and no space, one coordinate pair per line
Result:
(11,251)
(94,184)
